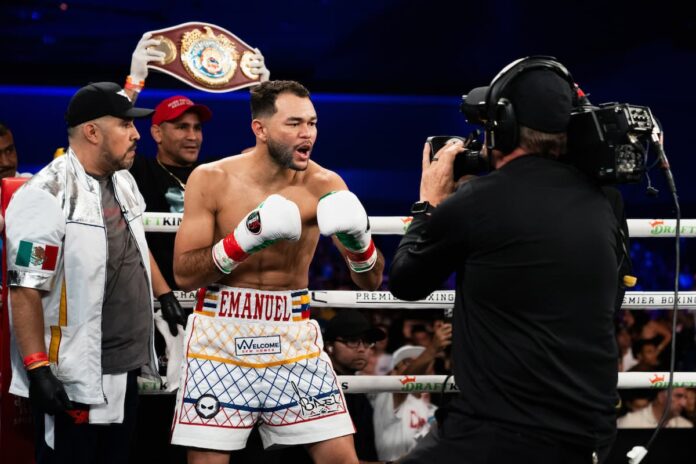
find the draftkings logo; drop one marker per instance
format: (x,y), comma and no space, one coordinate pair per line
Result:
(410,385)
(661,381)
(659,228)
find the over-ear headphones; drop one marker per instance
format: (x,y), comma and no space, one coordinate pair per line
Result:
(502,129)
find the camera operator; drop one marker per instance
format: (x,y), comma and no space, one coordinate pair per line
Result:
(534,245)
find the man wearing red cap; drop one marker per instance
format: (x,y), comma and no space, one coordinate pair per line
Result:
(177,130)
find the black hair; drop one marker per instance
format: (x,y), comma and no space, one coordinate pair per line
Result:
(264,95)
(638,345)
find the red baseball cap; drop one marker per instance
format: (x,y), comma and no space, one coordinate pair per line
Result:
(175,106)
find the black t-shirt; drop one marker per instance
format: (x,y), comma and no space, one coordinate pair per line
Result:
(162,186)
(534,247)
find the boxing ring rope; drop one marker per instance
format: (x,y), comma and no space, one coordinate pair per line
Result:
(441,299)
(396,225)
(434,383)
(444,299)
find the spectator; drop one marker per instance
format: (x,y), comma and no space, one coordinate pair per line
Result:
(649,416)
(646,352)
(380,362)
(690,407)
(656,328)
(349,338)
(402,419)
(624,342)
(8,153)
(8,161)
(634,399)
(8,168)
(420,335)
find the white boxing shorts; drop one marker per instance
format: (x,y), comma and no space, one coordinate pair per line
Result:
(254,356)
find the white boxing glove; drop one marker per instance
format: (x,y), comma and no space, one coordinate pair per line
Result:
(341,213)
(277,218)
(143,54)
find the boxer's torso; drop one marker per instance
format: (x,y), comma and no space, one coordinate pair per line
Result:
(285,264)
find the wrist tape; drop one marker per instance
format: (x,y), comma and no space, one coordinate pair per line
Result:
(362,261)
(227,254)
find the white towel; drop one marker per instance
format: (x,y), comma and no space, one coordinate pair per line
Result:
(111,412)
(174,351)
(49,430)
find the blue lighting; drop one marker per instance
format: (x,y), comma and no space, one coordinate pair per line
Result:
(240,96)
(686,281)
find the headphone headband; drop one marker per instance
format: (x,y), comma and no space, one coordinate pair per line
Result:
(502,127)
(510,72)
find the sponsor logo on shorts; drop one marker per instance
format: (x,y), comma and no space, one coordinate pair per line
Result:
(253,222)
(207,406)
(312,406)
(257,345)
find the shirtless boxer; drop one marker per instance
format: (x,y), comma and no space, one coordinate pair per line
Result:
(251,226)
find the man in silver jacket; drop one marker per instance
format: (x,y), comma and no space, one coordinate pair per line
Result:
(80,297)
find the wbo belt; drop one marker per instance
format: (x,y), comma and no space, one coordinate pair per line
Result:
(248,304)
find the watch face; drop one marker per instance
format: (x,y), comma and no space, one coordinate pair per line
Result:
(420,207)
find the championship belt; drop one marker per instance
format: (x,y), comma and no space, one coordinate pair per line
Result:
(205,56)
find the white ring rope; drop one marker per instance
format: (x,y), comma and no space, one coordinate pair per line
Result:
(433,383)
(445,299)
(397,225)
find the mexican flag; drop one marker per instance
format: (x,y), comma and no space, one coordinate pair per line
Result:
(37,255)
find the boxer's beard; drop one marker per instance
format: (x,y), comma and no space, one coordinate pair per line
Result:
(282,155)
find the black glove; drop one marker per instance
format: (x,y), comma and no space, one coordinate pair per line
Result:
(46,392)
(172,312)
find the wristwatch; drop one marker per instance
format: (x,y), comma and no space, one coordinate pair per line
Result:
(421,207)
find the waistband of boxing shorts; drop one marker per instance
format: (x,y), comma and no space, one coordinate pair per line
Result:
(252,305)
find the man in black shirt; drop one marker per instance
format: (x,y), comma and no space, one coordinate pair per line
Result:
(534,247)
(177,128)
